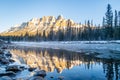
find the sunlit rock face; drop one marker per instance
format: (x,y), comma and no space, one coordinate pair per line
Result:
(49,60)
(17,27)
(46,23)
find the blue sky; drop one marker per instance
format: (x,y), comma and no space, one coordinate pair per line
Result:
(14,12)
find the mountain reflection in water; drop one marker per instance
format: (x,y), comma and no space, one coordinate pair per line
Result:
(60,60)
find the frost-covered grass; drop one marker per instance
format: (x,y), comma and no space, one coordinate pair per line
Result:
(74,45)
(105,48)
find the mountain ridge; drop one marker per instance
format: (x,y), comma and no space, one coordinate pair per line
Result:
(46,23)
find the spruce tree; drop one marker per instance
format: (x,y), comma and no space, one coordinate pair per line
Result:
(115,25)
(109,22)
(119,25)
(116,19)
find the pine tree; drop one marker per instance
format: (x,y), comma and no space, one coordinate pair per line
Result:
(119,25)
(89,30)
(26,36)
(119,18)
(116,19)
(103,29)
(37,36)
(115,26)
(109,22)
(68,34)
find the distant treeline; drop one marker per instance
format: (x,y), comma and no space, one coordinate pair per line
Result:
(110,30)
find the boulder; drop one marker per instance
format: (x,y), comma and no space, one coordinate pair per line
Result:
(8,54)
(31,69)
(36,78)
(61,77)
(4,47)
(11,60)
(14,68)
(8,73)
(1,57)
(22,67)
(1,51)
(51,77)
(5,78)
(4,61)
(41,73)
(2,42)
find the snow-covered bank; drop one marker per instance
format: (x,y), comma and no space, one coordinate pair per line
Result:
(74,45)
(107,49)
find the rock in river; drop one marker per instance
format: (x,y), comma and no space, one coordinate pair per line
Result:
(41,73)
(31,69)
(8,54)
(8,73)
(14,68)
(5,78)
(36,78)
(60,77)
(1,51)
(4,61)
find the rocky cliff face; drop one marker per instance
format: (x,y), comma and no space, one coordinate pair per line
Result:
(46,23)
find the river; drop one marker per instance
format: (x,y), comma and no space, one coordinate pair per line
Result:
(67,64)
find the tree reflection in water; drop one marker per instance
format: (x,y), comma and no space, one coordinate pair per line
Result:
(53,59)
(111,68)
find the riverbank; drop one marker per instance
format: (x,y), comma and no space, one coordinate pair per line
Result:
(104,49)
(10,69)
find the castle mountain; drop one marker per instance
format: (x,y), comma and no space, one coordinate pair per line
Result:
(40,25)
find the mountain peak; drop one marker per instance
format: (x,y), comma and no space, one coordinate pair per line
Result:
(60,17)
(46,23)
(34,19)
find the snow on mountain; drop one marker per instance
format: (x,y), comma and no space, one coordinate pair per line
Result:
(46,23)
(17,27)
